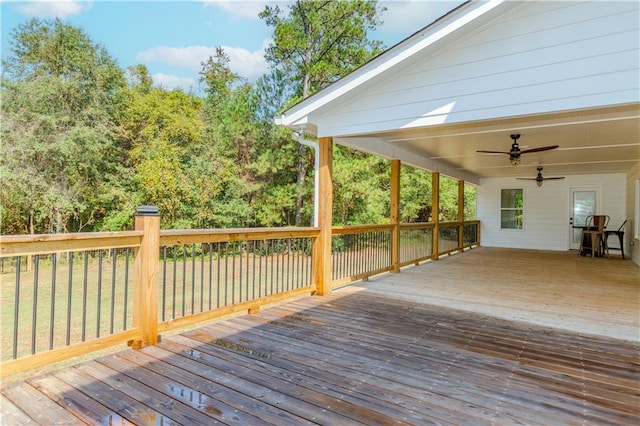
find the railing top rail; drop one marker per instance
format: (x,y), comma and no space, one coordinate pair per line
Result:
(192,236)
(18,245)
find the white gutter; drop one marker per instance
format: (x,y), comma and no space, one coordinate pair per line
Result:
(298,136)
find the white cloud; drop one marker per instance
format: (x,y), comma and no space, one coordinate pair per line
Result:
(54,8)
(413,15)
(171,82)
(239,8)
(247,64)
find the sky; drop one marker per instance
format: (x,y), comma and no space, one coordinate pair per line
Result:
(173,38)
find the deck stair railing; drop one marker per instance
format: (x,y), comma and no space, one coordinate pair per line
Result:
(65,295)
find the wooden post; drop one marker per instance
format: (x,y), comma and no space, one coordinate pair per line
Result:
(395,215)
(435,212)
(145,311)
(461,214)
(322,248)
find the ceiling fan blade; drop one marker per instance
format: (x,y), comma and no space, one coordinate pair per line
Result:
(542,148)
(553,178)
(526,178)
(494,152)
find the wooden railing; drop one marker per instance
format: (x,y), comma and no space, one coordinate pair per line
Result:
(357,252)
(86,292)
(66,295)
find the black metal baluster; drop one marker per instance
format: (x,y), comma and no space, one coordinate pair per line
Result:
(218,283)
(253,283)
(52,320)
(69,298)
(113,288)
(193,278)
(99,293)
(34,319)
(226,273)
(278,281)
(288,269)
(164,283)
(261,247)
(270,242)
(184,280)
(175,283)
(16,309)
(296,261)
(210,274)
(240,267)
(247,271)
(202,277)
(126,287)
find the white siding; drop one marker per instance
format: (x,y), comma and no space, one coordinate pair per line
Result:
(547,210)
(539,58)
(632,244)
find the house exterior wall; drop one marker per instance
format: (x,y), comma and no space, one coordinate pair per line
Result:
(540,57)
(632,231)
(547,209)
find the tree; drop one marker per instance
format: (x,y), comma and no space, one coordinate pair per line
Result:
(58,92)
(230,141)
(160,130)
(314,45)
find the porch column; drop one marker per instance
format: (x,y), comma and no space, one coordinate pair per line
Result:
(145,310)
(461,214)
(435,212)
(322,248)
(395,215)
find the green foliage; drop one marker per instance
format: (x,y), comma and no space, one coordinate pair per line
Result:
(415,195)
(318,42)
(361,188)
(84,142)
(58,150)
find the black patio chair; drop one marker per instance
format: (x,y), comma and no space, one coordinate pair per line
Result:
(620,234)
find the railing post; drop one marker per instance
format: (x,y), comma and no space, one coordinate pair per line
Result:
(322,267)
(145,311)
(395,215)
(461,215)
(435,213)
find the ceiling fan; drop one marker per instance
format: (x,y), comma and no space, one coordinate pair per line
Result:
(539,179)
(514,154)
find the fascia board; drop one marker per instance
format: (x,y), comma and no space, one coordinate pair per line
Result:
(387,60)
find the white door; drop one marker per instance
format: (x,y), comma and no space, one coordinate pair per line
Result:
(583,203)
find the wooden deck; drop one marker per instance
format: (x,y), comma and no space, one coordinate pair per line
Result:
(598,296)
(355,357)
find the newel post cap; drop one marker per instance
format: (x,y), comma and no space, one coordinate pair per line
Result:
(147,211)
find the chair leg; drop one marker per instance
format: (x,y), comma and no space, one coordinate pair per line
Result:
(595,244)
(621,238)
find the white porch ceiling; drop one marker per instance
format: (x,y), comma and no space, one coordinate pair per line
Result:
(590,142)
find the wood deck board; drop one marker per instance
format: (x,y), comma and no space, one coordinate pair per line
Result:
(369,406)
(395,376)
(409,365)
(383,352)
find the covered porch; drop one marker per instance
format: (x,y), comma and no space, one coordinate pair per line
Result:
(556,346)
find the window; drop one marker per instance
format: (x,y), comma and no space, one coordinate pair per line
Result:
(511,209)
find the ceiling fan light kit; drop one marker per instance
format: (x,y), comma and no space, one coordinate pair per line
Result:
(539,179)
(515,152)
